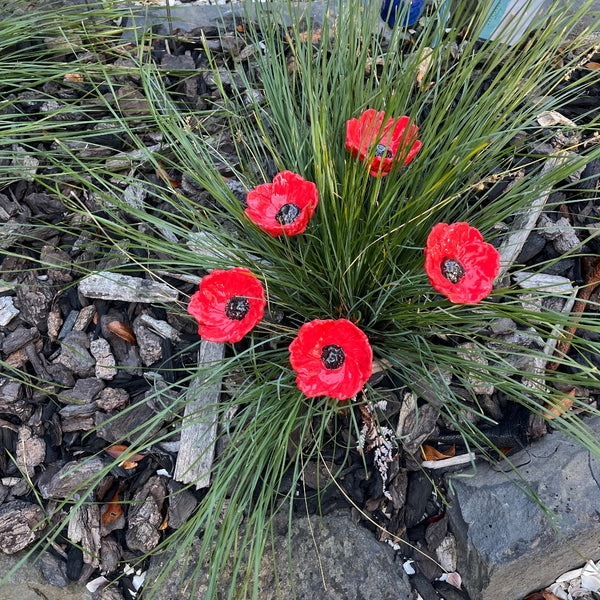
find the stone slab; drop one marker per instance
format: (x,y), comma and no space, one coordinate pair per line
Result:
(332,559)
(28,583)
(506,546)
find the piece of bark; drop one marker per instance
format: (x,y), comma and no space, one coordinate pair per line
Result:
(145,515)
(78,417)
(84,529)
(418,424)
(74,353)
(116,286)
(105,361)
(111,399)
(110,554)
(84,318)
(135,424)
(162,328)
(33,300)
(20,524)
(73,480)
(562,234)
(84,391)
(31,450)
(469,351)
(149,343)
(12,401)
(199,426)
(181,504)
(19,338)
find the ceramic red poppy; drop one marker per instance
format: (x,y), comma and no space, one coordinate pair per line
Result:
(331,358)
(459,263)
(283,207)
(380,144)
(227,305)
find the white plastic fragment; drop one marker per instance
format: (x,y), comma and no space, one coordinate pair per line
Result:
(559,591)
(569,575)
(590,576)
(96,584)
(7,310)
(408,567)
(453,578)
(138,580)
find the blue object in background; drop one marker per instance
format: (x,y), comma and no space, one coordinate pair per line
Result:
(391,9)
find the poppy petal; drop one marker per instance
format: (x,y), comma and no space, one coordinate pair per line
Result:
(267,200)
(210,305)
(397,136)
(479,260)
(313,378)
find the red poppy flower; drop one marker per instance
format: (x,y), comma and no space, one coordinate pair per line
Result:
(331,358)
(459,263)
(390,141)
(227,305)
(284,206)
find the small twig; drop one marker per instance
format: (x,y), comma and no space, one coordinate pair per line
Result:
(524,223)
(453,461)
(591,283)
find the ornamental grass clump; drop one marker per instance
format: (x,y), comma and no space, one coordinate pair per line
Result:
(350,225)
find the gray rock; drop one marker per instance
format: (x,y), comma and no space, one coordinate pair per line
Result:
(355,565)
(351,563)
(54,570)
(506,545)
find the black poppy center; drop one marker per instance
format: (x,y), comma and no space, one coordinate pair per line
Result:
(287,214)
(381,150)
(237,308)
(332,357)
(452,270)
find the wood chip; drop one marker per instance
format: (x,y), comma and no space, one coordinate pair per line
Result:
(20,524)
(84,529)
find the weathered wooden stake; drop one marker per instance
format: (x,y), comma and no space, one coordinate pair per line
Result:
(199,432)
